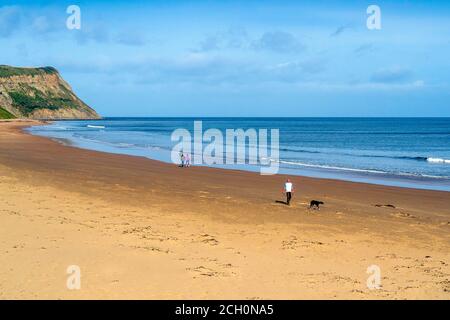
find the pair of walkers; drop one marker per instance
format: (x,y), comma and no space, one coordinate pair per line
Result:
(185,159)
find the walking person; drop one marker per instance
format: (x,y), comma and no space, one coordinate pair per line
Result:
(188,160)
(182,159)
(288,189)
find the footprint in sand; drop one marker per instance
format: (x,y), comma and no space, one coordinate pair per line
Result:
(289,244)
(385,206)
(208,239)
(203,271)
(403,215)
(445,284)
(212,272)
(152,249)
(293,243)
(398,214)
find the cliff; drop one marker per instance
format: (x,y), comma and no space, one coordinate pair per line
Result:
(39,93)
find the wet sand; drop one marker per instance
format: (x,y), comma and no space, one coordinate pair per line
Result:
(143,229)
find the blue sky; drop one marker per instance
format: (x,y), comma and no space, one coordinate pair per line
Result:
(240,58)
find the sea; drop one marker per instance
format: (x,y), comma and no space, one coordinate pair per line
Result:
(404,152)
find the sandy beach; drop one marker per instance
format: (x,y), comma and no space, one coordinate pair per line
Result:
(143,229)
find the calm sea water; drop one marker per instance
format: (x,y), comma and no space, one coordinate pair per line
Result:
(408,152)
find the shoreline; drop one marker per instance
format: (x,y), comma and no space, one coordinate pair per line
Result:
(141,229)
(419,182)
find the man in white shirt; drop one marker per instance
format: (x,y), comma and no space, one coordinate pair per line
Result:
(288,189)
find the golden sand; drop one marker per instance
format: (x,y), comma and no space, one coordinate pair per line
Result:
(142,229)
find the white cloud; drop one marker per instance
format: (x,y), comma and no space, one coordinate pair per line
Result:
(279,41)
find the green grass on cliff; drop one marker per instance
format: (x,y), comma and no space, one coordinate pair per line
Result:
(4,114)
(27,103)
(8,71)
(27,97)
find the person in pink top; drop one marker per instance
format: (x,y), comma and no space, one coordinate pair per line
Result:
(188,160)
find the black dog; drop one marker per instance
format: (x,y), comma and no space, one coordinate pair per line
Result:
(315,204)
